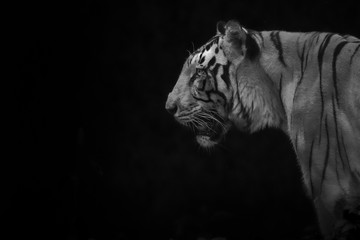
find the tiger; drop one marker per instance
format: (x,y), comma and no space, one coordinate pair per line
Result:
(305,83)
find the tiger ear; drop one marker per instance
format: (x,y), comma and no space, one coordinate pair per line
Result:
(220,28)
(234,40)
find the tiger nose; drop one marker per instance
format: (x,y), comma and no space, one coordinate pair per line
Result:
(171,104)
(171,108)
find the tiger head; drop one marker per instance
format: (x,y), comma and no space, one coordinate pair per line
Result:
(217,87)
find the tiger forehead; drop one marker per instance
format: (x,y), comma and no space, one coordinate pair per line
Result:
(209,52)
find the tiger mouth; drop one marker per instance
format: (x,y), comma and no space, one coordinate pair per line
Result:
(212,134)
(208,128)
(214,131)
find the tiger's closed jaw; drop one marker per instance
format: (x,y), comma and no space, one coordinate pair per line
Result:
(209,137)
(208,127)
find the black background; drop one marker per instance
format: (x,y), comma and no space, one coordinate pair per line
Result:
(94,154)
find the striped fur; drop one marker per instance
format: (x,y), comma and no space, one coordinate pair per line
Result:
(307,84)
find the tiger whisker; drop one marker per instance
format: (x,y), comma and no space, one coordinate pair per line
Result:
(210,116)
(203,123)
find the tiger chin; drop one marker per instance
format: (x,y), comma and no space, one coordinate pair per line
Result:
(306,84)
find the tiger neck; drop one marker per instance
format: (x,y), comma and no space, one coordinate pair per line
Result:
(278,50)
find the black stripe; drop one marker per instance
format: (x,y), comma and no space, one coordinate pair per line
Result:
(304,63)
(214,73)
(302,69)
(202,87)
(280,91)
(243,112)
(201,56)
(275,38)
(252,48)
(336,54)
(310,167)
(225,75)
(337,174)
(211,62)
(321,52)
(337,133)
(196,52)
(307,57)
(352,56)
(346,155)
(297,45)
(337,171)
(302,59)
(317,37)
(201,60)
(203,100)
(326,161)
(262,39)
(237,93)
